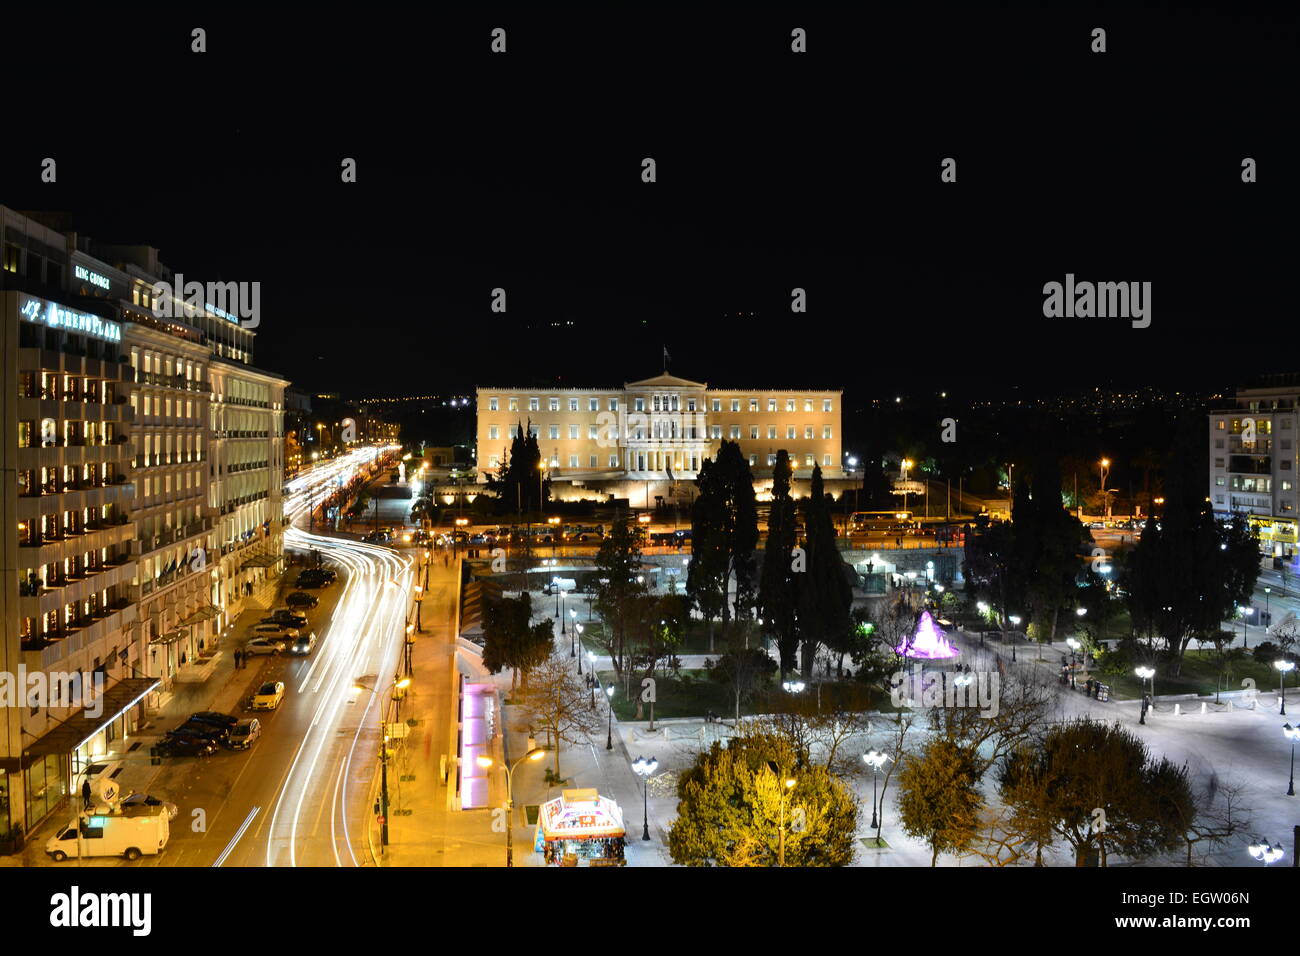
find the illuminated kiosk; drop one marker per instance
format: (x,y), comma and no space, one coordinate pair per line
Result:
(928,643)
(580,828)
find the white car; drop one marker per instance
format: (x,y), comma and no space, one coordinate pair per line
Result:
(263,645)
(303,644)
(268,696)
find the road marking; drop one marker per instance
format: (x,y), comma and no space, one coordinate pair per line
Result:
(235,839)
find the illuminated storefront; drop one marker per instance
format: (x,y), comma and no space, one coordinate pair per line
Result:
(580,828)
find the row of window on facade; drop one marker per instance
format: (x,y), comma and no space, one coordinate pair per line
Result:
(50,433)
(57,386)
(59,573)
(664,430)
(662,403)
(57,480)
(73,616)
(637,461)
(58,525)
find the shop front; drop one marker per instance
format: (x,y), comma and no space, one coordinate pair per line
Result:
(580,828)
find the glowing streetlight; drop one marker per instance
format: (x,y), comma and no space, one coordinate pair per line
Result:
(534,753)
(1266,854)
(1292,734)
(1284,667)
(645,767)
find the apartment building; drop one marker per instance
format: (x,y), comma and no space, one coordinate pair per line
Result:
(1253,460)
(644,440)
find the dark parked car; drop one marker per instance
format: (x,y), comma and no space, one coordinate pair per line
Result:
(287,618)
(316,578)
(185,747)
(198,728)
(225,721)
(301,599)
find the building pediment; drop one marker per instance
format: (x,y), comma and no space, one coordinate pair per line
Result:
(665,381)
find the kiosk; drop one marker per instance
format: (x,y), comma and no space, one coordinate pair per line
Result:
(580,828)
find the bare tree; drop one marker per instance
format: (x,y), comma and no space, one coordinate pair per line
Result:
(1216,815)
(558,704)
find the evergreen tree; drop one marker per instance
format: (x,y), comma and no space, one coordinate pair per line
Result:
(825,596)
(724,534)
(776,588)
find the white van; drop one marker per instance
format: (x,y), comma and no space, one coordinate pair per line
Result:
(131,834)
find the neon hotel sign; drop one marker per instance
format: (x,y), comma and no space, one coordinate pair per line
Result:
(56,316)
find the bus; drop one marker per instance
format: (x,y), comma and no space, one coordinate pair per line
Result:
(882,522)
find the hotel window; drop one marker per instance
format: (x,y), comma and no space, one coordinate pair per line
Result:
(554,405)
(554,431)
(514,404)
(807,404)
(826,431)
(771,404)
(1286,484)
(789,432)
(573,461)
(826,461)
(771,459)
(638,404)
(1218,499)
(613,404)
(735,404)
(753,404)
(613,432)
(492,404)
(715,404)
(753,431)
(735,432)
(826,405)
(593,431)
(514,431)
(573,404)
(715,431)
(494,462)
(573,433)
(809,461)
(593,405)
(771,432)
(1218,443)
(493,432)
(690,404)
(807,431)
(656,404)
(533,430)
(789,404)
(753,460)
(591,461)
(534,404)
(613,460)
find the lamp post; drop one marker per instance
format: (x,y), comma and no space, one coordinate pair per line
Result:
(1266,854)
(1292,734)
(591,677)
(609,720)
(875,759)
(1146,674)
(1015,622)
(534,753)
(1283,667)
(786,786)
(1105,470)
(645,767)
(1267,592)
(575,642)
(905,464)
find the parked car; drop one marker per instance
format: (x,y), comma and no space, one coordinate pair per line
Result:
(268,696)
(276,630)
(301,599)
(377,537)
(176,746)
(264,645)
(244,734)
(197,728)
(286,618)
(212,717)
(146,800)
(303,644)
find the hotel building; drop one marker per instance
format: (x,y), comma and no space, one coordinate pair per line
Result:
(1253,460)
(142,461)
(647,439)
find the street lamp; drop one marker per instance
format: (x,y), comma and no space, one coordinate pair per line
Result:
(534,753)
(903,466)
(609,721)
(875,759)
(645,767)
(1266,854)
(1015,622)
(1246,612)
(1292,734)
(787,785)
(1105,470)
(1146,674)
(1283,667)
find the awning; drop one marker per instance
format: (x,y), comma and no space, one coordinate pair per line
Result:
(580,815)
(171,637)
(261,561)
(205,613)
(79,728)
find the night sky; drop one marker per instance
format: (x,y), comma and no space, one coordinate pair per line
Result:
(774,171)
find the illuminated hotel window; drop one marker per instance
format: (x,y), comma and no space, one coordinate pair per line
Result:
(716,405)
(715,431)
(789,432)
(690,404)
(554,405)
(514,431)
(514,404)
(807,404)
(753,404)
(613,404)
(826,461)
(554,431)
(753,431)
(573,432)
(735,431)
(826,405)
(593,431)
(826,431)
(492,404)
(771,459)
(638,404)
(789,404)
(573,461)
(573,404)
(493,433)
(613,461)
(809,460)
(534,404)
(771,404)
(594,405)
(735,404)
(753,460)
(592,461)
(808,431)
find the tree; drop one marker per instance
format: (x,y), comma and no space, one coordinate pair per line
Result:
(734,809)
(519,485)
(618,565)
(724,534)
(558,703)
(745,670)
(776,587)
(825,597)
(509,640)
(1096,786)
(939,799)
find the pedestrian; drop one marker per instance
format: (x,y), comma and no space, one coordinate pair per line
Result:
(85,795)
(239,658)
